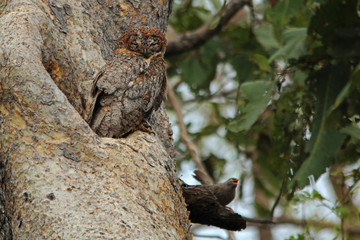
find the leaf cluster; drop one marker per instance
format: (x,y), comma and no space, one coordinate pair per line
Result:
(295,80)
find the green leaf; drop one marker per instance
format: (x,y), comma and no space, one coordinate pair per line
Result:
(317,195)
(298,237)
(352,130)
(199,72)
(243,67)
(327,146)
(216,4)
(254,97)
(336,25)
(340,98)
(330,80)
(300,77)
(326,140)
(342,212)
(265,36)
(187,18)
(261,61)
(285,11)
(294,44)
(242,39)
(195,74)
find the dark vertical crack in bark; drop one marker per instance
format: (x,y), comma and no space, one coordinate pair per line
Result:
(5,220)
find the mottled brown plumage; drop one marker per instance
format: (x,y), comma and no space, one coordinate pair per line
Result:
(131,85)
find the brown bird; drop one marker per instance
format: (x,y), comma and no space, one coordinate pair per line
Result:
(131,86)
(206,209)
(224,192)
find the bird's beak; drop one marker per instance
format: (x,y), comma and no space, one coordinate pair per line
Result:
(146,54)
(235,181)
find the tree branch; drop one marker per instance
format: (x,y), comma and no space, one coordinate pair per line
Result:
(191,146)
(189,41)
(257,221)
(205,209)
(353,229)
(208,236)
(277,198)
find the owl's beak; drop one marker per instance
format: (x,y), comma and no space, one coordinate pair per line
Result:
(146,54)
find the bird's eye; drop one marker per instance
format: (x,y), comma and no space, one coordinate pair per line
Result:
(133,43)
(155,43)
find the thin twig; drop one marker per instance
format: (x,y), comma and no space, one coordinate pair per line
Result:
(258,221)
(214,96)
(346,195)
(189,41)
(191,146)
(277,199)
(342,229)
(351,229)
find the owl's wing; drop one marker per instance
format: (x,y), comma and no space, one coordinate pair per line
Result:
(163,82)
(90,111)
(94,94)
(157,76)
(94,89)
(119,73)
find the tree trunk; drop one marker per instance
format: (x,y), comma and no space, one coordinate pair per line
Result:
(59,180)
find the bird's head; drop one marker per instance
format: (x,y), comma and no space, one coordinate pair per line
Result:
(233,182)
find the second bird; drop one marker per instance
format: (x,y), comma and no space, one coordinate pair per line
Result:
(224,192)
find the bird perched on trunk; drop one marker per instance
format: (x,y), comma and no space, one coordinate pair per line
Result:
(224,192)
(206,203)
(131,86)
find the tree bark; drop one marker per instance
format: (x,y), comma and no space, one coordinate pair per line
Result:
(59,180)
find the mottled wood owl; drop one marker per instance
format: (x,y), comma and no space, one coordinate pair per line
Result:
(131,85)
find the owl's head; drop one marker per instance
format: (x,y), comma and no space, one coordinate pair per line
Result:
(146,41)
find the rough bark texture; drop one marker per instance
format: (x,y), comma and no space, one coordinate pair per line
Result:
(59,180)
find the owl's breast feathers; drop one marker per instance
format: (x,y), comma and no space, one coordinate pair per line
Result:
(158,66)
(130,86)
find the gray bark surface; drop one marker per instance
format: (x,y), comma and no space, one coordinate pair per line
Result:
(59,180)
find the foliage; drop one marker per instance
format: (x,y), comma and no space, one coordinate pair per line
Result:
(298,237)
(296,87)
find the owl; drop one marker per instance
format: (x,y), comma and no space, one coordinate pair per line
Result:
(131,86)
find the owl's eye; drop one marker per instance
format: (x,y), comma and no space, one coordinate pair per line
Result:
(134,43)
(154,43)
